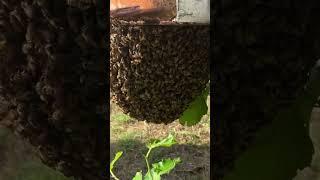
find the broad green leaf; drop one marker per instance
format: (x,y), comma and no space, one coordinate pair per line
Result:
(138,176)
(148,176)
(161,168)
(166,142)
(193,114)
(118,155)
(165,166)
(152,176)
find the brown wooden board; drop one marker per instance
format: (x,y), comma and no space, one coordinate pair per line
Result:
(136,11)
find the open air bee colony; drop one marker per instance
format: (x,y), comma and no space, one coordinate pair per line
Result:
(262,56)
(157,66)
(52,82)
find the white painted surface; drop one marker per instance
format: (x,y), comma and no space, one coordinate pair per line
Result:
(197,11)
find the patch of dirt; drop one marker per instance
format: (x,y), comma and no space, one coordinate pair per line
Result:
(195,163)
(131,136)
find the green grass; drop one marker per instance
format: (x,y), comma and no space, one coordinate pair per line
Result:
(120,117)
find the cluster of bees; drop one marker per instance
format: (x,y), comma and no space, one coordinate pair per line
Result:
(157,70)
(53,81)
(262,55)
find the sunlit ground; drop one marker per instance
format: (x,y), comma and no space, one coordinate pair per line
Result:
(129,135)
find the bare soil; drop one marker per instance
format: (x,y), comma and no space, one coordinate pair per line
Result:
(130,136)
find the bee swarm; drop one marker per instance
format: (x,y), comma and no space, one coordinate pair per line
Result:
(262,55)
(157,69)
(52,82)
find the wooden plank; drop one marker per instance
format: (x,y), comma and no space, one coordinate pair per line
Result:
(124,11)
(135,11)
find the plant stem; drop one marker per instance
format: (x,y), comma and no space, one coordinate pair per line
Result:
(114,176)
(146,158)
(148,152)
